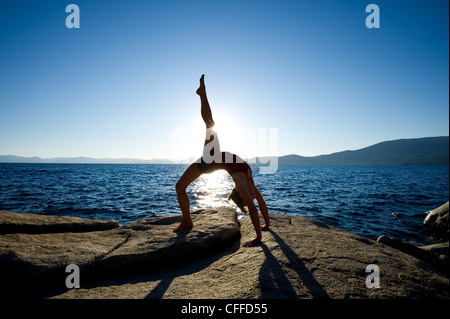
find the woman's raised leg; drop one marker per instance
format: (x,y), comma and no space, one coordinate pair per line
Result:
(205,108)
(211,145)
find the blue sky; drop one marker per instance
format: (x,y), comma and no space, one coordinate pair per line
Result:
(123,84)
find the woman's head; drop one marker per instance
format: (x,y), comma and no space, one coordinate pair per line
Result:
(237,199)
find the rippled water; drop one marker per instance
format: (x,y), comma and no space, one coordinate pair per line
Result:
(368,201)
(365,200)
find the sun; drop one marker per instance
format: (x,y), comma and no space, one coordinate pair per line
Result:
(229,132)
(187,141)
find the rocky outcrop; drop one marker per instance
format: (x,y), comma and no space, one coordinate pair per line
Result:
(434,255)
(439,248)
(298,258)
(11,223)
(34,261)
(30,262)
(438,219)
(152,241)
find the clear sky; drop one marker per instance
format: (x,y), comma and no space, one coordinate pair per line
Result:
(123,84)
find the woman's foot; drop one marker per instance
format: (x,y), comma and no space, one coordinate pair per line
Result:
(201,90)
(252,242)
(184,225)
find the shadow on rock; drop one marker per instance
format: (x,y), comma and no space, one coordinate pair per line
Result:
(274,281)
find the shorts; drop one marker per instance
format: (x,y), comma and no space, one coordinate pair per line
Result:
(206,168)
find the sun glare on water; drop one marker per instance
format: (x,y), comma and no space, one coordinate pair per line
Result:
(211,190)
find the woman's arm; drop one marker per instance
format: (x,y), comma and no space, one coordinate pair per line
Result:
(262,207)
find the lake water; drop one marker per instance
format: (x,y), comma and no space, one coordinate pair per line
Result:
(364,200)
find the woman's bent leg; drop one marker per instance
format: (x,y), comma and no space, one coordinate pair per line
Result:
(190,175)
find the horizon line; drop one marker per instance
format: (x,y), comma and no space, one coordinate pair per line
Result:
(185,160)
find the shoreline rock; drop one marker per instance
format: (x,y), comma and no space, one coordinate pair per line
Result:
(438,220)
(427,254)
(437,254)
(11,223)
(439,248)
(298,258)
(152,240)
(31,262)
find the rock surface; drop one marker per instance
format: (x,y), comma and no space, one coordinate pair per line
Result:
(31,261)
(298,258)
(151,241)
(38,224)
(439,248)
(439,219)
(427,254)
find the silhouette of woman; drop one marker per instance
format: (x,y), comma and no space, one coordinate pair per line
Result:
(244,192)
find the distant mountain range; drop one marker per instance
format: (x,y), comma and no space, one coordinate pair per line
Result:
(80,160)
(427,150)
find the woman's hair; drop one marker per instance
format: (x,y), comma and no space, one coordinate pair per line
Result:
(236,198)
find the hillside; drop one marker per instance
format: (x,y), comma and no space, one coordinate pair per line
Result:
(431,150)
(427,150)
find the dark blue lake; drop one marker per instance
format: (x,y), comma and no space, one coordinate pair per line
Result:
(364,200)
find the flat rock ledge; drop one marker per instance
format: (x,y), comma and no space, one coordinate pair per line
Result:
(298,258)
(32,263)
(11,223)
